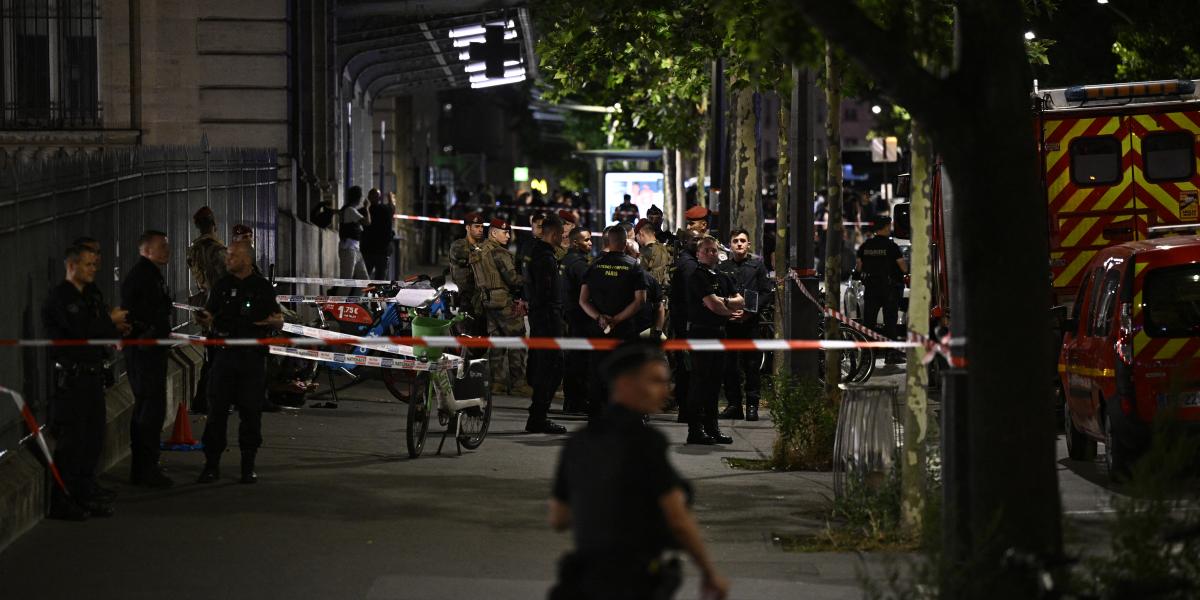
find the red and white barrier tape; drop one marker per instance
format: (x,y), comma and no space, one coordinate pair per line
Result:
(460,222)
(357,283)
(382,362)
(915,339)
(36,431)
(322,334)
(530,343)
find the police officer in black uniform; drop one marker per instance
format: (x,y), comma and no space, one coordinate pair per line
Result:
(144,293)
(241,305)
(882,268)
(574,266)
(544,293)
(617,491)
(710,306)
(74,309)
(747,273)
(613,290)
(685,266)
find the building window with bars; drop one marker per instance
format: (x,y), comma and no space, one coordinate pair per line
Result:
(48,52)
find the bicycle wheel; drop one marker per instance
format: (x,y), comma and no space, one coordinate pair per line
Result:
(395,384)
(862,359)
(473,425)
(420,399)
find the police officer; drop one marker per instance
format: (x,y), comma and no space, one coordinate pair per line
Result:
(681,272)
(525,246)
(74,309)
(463,251)
(544,292)
(882,268)
(615,488)
(613,290)
(241,305)
(500,288)
(626,212)
(144,293)
(655,215)
(748,274)
(574,267)
(710,306)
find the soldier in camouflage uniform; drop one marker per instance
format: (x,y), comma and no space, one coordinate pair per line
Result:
(500,287)
(569,222)
(655,258)
(205,256)
(462,252)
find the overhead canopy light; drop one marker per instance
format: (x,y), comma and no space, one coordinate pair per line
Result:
(507,74)
(495,82)
(472,30)
(478,66)
(463,42)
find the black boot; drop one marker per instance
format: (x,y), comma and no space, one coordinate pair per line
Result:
(696,435)
(733,411)
(248,474)
(752,410)
(713,431)
(211,472)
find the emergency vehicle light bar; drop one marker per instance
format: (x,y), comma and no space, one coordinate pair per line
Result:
(1116,91)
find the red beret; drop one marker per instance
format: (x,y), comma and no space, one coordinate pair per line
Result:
(696,213)
(473,219)
(499,224)
(568,216)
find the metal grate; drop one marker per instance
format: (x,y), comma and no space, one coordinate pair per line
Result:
(48,55)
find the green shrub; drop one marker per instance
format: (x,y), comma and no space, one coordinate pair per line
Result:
(806,422)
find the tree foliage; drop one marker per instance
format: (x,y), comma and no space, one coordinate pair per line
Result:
(1158,41)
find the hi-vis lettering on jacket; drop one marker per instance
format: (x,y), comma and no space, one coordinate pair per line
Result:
(615,270)
(1119,164)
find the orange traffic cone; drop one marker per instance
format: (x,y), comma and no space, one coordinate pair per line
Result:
(181,434)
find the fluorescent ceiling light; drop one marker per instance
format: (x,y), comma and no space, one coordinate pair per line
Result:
(507,73)
(463,42)
(465,55)
(477,66)
(470,30)
(495,82)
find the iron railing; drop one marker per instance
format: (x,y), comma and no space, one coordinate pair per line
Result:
(113,196)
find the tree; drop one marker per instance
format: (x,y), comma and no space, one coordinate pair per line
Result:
(977,114)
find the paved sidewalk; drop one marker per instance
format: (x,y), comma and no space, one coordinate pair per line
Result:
(341,512)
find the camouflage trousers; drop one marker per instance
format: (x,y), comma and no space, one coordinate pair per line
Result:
(508,365)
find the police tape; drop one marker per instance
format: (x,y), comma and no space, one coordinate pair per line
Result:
(334,299)
(36,431)
(517,343)
(358,283)
(324,334)
(382,362)
(915,340)
(182,306)
(461,222)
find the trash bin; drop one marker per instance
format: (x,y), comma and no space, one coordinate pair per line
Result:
(869,433)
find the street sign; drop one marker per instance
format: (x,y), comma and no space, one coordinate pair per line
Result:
(885,150)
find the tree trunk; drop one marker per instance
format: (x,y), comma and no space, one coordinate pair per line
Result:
(782,208)
(916,414)
(833,240)
(701,167)
(744,200)
(980,120)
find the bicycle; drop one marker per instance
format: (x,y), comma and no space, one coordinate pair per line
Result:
(467,419)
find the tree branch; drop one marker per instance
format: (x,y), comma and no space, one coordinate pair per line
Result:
(846,26)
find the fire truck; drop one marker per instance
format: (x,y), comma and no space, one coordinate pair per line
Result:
(1118,164)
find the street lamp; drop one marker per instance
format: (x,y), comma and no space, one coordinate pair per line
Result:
(876,109)
(1029,35)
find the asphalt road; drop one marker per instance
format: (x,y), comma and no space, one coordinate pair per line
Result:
(341,512)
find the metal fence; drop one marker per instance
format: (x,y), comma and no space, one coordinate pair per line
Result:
(114,196)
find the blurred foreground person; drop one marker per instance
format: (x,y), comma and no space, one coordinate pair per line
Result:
(623,501)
